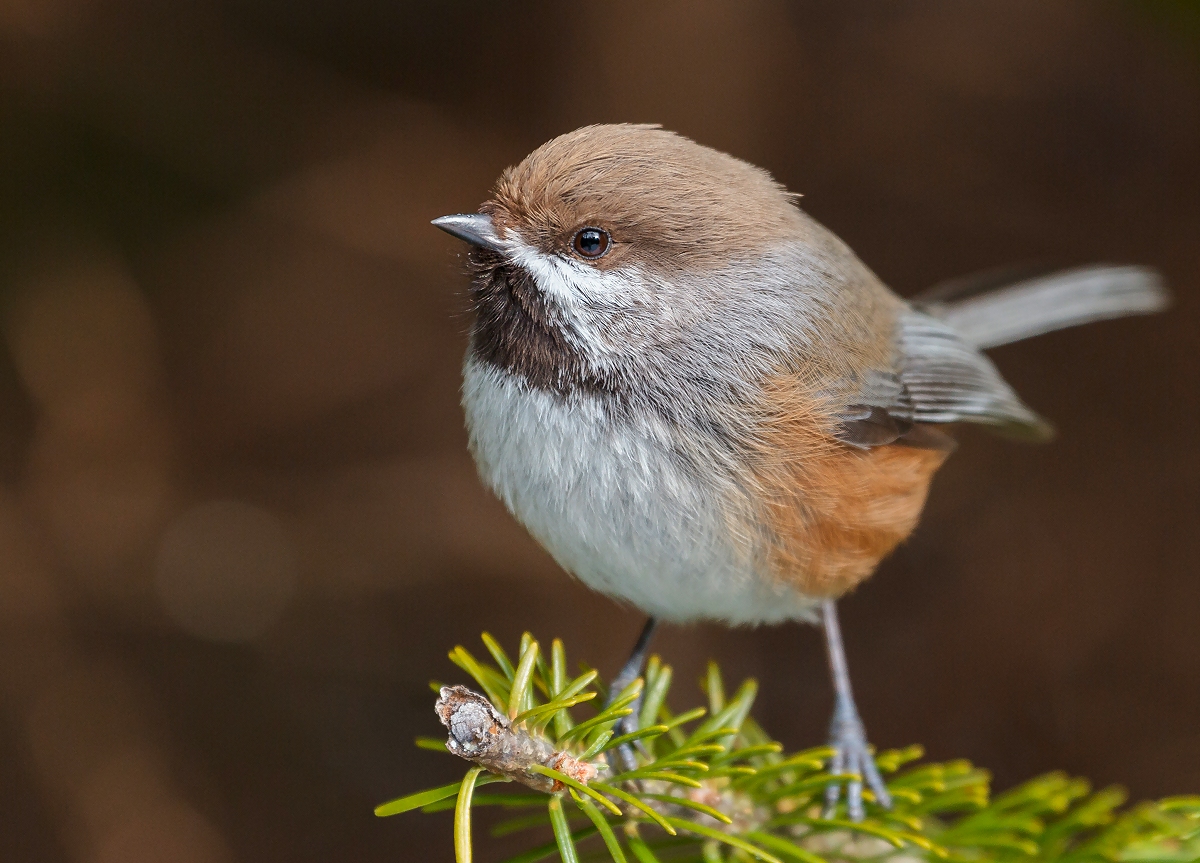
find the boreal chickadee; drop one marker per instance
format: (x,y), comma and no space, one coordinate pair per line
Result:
(702,403)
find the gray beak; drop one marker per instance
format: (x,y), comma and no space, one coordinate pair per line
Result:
(475,228)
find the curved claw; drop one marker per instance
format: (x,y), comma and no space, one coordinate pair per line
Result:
(853,755)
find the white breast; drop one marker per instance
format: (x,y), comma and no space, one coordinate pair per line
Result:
(618,504)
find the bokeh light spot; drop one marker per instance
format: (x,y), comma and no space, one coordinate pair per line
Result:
(225,570)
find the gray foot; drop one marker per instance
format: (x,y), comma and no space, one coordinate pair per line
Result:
(849,738)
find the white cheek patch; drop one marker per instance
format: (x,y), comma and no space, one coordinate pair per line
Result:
(588,299)
(573,283)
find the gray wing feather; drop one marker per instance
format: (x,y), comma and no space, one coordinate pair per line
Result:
(949,380)
(940,378)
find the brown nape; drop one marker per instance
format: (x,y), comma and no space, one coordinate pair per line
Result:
(835,511)
(666,201)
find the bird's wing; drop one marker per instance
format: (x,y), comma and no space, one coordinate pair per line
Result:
(937,378)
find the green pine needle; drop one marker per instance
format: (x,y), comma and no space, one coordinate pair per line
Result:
(424,798)
(578,786)
(676,800)
(562,831)
(602,826)
(498,654)
(725,838)
(639,848)
(725,792)
(522,681)
(462,817)
(599,744)
(416,801)
(636,803)
(783,847)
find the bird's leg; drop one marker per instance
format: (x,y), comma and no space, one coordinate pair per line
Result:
(629,673)
(846,733)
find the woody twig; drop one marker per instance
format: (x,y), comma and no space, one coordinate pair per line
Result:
(480,733)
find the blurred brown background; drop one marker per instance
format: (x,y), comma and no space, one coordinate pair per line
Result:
(238,525)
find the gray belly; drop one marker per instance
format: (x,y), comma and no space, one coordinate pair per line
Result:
(619,506)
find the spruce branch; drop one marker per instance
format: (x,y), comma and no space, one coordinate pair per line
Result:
(720,789)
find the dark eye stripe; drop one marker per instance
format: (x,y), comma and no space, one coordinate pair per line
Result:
(591,242)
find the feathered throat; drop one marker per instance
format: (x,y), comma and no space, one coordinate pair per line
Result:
(518,331)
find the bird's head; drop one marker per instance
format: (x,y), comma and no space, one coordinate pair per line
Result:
(611,241)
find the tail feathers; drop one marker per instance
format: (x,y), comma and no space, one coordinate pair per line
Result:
(1047,303)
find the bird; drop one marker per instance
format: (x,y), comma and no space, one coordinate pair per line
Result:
(703,404)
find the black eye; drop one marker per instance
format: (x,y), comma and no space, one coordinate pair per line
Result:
(591,242)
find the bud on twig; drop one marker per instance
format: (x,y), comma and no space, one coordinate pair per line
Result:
(480,733)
